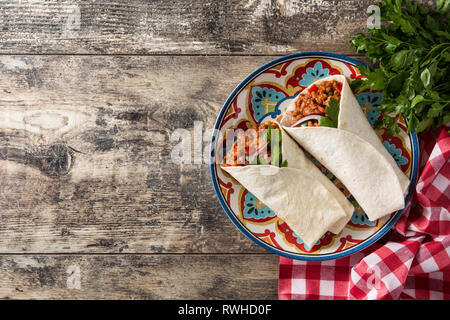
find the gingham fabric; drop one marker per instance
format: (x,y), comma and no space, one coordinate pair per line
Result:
(412,263)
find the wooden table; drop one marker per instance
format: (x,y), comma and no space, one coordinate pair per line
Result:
(91,204)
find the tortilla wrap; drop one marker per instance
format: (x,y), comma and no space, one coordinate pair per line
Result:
(355,155)
(352,118)
(299,194)
(297,159)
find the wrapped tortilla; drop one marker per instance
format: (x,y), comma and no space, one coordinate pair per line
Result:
(327,120)
(290,184)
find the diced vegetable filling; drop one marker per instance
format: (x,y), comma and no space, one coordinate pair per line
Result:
(312,104)
(260,144)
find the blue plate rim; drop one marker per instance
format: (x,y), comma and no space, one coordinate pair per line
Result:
(299,256)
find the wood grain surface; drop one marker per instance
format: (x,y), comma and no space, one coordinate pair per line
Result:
(86,154)
(139,277)
(91,94)
(180,26)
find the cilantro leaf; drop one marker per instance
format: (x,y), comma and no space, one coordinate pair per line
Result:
(332,112)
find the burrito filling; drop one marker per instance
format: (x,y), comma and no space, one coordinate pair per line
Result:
(258,145)
(318,105)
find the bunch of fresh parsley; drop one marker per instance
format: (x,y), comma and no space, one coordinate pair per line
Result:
(411,55)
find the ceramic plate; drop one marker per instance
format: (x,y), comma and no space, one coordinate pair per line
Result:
(262,95)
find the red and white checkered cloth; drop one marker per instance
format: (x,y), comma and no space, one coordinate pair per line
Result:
(415,261)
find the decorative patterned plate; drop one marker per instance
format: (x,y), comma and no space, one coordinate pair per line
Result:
(261,96)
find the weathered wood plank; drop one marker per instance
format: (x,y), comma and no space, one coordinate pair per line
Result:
(139,277)
(180,26)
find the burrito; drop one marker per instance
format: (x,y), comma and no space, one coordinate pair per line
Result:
(327,120)
(270,165)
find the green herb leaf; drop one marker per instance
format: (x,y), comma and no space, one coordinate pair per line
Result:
(443,6)
(424,125)
(326,122)
(401,59)
(416,100)
(435,110)
(332,112)
(396,83)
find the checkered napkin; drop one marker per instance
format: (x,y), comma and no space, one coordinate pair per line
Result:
(413,263)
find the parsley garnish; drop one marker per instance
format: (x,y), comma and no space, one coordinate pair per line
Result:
(411,54)
(332,112)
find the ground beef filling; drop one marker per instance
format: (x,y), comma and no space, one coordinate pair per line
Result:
(315,100)
(248,144)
